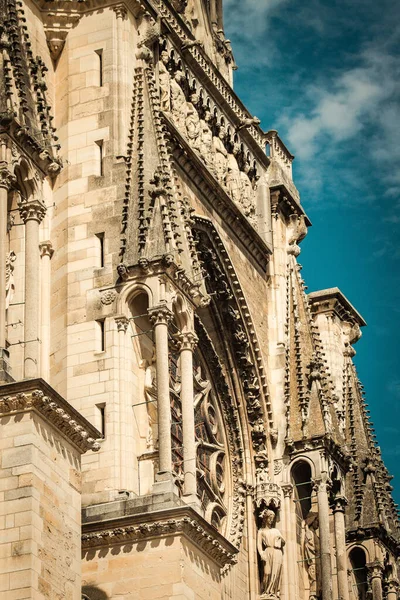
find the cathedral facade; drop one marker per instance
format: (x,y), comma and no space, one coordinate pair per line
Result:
(180,419)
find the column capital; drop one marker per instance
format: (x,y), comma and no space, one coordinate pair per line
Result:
(339,504)
(7,179)
(122,323)
(375,569)
(120,10)
(32,210)
(287,489)
(186,340)
(393,585)
(160,314)
(46,249)
(322,484)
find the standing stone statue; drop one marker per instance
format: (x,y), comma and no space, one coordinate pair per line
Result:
(150,390)
(206,145)
(179,105)
(270,545)
(192,122)
(10,285)
(311,555)
(233,182)
(220,155)
(165,82)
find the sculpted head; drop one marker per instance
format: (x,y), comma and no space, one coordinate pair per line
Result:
(268,517)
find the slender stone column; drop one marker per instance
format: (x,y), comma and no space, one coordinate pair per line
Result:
(122,326)
(160,316)
(375,572)
(32,213)
(339,506)
(5,183)
(324,536)
(289,556)
(46,252)
(393,589)
(187,342)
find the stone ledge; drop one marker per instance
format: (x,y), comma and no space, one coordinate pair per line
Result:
(332,299)
(173,519)
(37,395)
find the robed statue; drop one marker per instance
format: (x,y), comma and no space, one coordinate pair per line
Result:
(270,545)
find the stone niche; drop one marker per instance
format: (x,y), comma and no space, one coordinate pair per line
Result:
(152,547)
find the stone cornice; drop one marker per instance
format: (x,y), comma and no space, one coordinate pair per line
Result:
(37,395)
(284,200)
(217,197)
(175,521)
(376,531)
(332,300)
(322,442)
(28,145)
(164,266)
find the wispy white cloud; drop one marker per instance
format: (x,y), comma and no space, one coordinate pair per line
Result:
(249,18)
(247,21)
(342,107)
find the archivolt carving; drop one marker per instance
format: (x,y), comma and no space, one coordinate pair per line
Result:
(247,354)
(233,437)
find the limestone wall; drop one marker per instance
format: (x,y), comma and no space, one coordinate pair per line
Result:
(40,511)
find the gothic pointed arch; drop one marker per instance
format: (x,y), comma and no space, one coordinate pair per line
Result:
(228,313)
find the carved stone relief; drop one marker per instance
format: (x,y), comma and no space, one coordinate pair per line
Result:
(204,127)
(270,544)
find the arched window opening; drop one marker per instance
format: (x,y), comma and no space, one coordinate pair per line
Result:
(359,574)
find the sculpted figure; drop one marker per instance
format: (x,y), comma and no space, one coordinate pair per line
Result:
(220,155)
(270,545)
(311,554)
(150,390)
(206,144)
(179,105)
(10,286)
(233,182)
(193,124)
(165,82)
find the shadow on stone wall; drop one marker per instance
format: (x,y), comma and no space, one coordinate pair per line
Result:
(90,592)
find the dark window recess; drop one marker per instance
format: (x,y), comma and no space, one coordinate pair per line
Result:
(102,335)
(100,145)
(100,66)
(102,419)
(100,237)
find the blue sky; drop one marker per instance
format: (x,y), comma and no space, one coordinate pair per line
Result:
(326,75)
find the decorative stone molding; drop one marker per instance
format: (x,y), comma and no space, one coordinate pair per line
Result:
(7,179)
(37,395)
(267,495)
(160,315)
(332,301)
(108,297)
(46,249)
(122,323)
(180,521)
(120,11)
(339,504)
(33,210)
(287,490)
(186,340)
